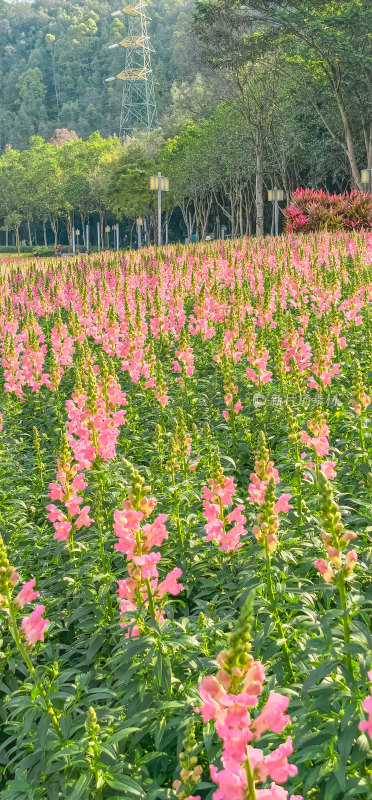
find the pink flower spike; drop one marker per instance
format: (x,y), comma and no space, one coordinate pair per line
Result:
(34,626)
(27,594)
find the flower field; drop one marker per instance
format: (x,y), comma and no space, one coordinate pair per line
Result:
(186,517)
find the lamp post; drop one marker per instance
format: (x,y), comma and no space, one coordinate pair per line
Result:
(367,178)
(77,237)
(117,235)
(87,237)
(98,236)
(107,232)
(73,241)
(160,184)
(276,196)
(139,221)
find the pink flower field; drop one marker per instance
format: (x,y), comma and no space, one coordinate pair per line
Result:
(185,522)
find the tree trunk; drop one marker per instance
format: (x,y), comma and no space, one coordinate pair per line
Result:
(241,231)
(69,229)
(369,146)
(29,232)
(82,217)
(45,234)
(101,221)
(202,212)
(17,239)
(259,186)
(6,237)
(54,227)
(348,139)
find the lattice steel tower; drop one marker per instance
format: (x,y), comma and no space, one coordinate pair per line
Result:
(138,108)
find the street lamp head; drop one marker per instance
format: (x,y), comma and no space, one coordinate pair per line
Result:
(279,195)
(365,175)
(154,183)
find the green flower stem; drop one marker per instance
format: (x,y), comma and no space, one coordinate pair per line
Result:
(162,423)
(177,510)
(58,407)
(362,439)
(150,599)
(275,612)
(345,616)
(299,488)
(251,792)
(13,627)
(187,396)
(232,420)
(101,544)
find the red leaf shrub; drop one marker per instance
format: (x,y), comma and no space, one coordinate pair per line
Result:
(315,210)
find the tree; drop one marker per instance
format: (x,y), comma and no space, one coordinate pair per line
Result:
(324,45)
(44,198)
(231,47)
(13,191)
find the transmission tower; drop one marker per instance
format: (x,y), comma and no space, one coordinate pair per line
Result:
(138,108)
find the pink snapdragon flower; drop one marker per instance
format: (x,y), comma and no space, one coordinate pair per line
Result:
(27,594)
(328,469)
(272,717)
(366,724)
(35,625)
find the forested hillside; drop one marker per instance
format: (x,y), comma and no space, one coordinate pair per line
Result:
(54,59)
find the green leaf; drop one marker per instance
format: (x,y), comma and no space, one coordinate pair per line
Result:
(80,786)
